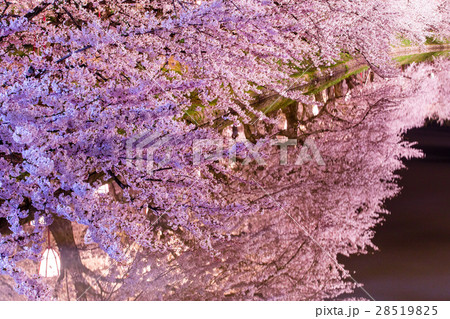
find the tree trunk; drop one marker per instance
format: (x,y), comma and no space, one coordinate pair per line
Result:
(62,231)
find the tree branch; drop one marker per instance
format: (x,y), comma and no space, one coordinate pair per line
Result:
(37,10)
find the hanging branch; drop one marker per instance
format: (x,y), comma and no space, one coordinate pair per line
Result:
(72,18)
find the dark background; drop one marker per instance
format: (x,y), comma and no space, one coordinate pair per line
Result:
(413,262)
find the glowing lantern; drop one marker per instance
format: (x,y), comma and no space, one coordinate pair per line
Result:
(104,189)
(315,110)
(41,221)
(50,265)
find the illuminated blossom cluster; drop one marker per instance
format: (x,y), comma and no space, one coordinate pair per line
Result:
(79,79)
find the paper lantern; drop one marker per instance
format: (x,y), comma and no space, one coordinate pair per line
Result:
(50,265)
(315,110)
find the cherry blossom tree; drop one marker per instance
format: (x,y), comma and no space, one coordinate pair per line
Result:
(81,80)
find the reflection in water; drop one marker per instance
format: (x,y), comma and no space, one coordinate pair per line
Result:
(414,257)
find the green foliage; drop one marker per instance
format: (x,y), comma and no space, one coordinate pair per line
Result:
(417,58)
(121,131)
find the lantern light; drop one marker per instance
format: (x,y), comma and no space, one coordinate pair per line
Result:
(315,110)
(41,221)
(50,265)
(104,189)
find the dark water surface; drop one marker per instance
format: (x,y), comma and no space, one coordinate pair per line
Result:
(413,262)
